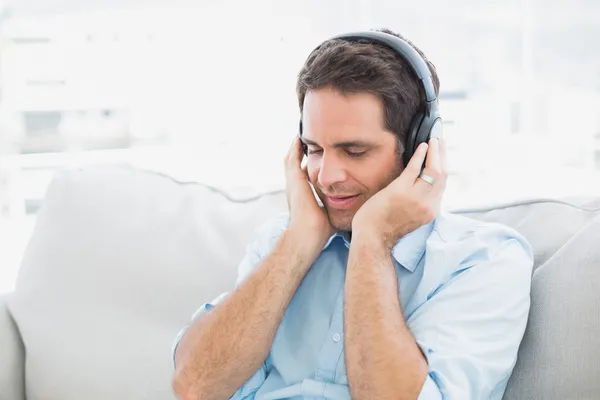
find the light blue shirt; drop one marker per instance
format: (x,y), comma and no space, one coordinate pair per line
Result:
(464,287)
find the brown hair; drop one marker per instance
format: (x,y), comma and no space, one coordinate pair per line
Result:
(363,66)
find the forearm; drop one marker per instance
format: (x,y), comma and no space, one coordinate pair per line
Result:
(383,360)
(225,347)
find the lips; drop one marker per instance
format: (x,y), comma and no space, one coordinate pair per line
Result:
(340,202)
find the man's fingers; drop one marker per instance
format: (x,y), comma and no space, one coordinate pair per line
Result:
(435,170)
(433,163)
(289,152)
(413,169)
(294,155)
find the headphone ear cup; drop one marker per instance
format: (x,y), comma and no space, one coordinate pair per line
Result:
(412,140)
(424,132)
(304,146)
(304,149)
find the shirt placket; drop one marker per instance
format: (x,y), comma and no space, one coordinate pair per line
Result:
(334,343)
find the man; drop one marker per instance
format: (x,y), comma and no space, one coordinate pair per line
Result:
(376,294)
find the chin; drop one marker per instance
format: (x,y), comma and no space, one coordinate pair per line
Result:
(341,222)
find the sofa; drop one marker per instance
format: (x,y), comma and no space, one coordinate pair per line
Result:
(121,258)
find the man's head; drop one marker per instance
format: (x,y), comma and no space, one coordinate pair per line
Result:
(357,101)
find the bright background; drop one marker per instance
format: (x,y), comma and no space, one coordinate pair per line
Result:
(205,90)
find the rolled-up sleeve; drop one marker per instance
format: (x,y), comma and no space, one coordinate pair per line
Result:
(470,329)
(430,390)
(265,238)
(248,390)
(203,309)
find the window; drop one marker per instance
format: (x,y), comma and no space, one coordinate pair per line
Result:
(210,87)
(41,123)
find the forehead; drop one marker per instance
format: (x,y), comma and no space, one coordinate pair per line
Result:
(327,112)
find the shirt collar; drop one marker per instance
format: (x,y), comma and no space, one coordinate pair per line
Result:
(407,251)
(341,234)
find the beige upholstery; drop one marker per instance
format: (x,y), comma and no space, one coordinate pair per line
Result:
(120,259)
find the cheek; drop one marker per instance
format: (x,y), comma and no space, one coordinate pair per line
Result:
(375,176)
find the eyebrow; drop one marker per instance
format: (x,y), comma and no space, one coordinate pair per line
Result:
(348,143)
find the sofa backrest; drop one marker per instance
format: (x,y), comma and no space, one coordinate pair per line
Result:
(118,262)
(120,259)
(559,357)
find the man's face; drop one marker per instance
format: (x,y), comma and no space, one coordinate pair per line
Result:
(351,156)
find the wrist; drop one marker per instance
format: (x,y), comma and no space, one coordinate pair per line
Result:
(368,253)
(305,248)
(374,239)
(369,239)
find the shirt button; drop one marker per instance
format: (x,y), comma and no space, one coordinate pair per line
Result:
(336,337)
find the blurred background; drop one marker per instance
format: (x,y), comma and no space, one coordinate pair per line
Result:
(204,90)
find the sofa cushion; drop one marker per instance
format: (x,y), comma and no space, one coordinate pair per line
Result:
(546,223)
(559,356)
(12,357)
(120,259)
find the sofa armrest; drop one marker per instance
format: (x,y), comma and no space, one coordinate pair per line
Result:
(12,361)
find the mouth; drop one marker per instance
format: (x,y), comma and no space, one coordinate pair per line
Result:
(340,202)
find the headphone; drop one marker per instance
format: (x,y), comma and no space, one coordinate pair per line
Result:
(427,123)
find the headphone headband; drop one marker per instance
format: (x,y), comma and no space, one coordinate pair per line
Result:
(406,51)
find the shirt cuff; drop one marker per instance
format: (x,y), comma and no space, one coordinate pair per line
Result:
(430,390)
(205,307)
(249,389)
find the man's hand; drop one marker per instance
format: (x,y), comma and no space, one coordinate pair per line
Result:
(306,216)
(409,201)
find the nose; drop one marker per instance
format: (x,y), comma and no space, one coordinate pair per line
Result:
(331,171)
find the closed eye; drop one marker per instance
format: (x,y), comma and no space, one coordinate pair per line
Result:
(355,153)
